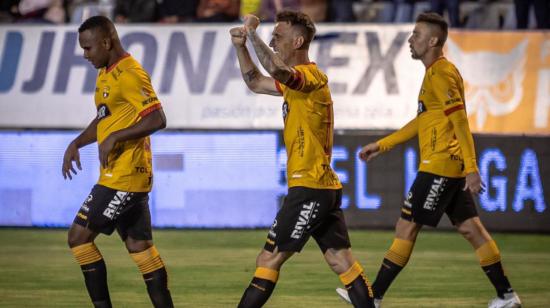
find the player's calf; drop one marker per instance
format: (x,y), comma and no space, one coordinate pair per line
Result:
(95,273)
(155,276)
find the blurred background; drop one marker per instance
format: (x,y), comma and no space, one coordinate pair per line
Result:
(221,162)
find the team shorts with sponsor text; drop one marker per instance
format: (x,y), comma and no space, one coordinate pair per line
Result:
(106,209)
(432,195)
(309,212)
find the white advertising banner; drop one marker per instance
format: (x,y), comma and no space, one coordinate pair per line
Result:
(46,83)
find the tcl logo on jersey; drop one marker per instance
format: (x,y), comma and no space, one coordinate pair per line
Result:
(102,111)
(421,107)
(286,110)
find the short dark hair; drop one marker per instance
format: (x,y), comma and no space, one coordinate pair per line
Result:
(300,20)
(102,23)
(436,20)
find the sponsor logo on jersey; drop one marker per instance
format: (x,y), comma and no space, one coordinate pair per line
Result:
(421,107)
(286,110)
(102,112)
(438,186)
(309,211)
(114,207)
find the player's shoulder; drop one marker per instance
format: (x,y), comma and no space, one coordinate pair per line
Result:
(442,68)
(131,69)
(312,69)
(443,65)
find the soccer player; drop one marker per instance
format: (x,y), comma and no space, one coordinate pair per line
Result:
(312,206)
(128,111)
(448,175)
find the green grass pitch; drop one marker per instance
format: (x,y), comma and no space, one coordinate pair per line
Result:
(212,268)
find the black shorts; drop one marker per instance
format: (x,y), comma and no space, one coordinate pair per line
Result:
(431,195)
(309,212)
(106,209)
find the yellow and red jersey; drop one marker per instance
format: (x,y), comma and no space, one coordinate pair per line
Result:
(123,96)
(308,128)
(445,141)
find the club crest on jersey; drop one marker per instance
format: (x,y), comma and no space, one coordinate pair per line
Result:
(106,90)
(285,110)
(421,107)
(102,111)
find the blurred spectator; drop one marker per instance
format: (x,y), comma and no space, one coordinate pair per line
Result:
(250,7)
(135,11)
(340,11)
(270,8)
(218,10)
(315,9)
(42,11)
(173,11)
(542,13)
(8,10)
(452,7)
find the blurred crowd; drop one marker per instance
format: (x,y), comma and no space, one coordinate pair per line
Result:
(483,14)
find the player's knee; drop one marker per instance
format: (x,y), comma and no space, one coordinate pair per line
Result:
(407,230)
(272,260)
(135,246)
(75,238)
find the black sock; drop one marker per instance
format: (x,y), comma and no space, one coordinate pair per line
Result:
(257,293)
(359,293)
(387,273)
(157,287)
(496,275)
(95,276)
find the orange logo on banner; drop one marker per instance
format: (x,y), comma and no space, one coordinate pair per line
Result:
(506,78)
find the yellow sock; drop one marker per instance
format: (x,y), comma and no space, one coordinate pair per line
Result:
(400,251)
(267,274)
(86,253)
(148,260)
(488,253)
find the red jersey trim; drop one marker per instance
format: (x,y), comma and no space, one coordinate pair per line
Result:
(278,86)
(110,68)
(453,109)
(148,110)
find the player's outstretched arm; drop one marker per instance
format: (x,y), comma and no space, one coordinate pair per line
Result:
(369,151)
(88,135)
(272,63)
(149,124)
(254,79)
(402,135)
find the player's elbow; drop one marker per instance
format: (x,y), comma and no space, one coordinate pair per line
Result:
(254,87)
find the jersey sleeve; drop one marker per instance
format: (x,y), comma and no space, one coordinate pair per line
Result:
(136,89)
(445,84)
(306,78)
(402,135)
(446,88)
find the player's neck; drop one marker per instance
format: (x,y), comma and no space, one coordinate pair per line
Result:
(432,56)
(116,55)
(300,57)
